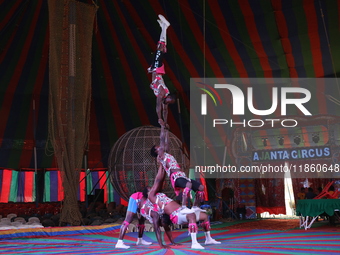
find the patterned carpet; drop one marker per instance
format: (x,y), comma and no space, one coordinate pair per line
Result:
(235,238)
(270,224)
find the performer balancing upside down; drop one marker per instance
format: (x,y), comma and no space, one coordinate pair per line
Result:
(162,93)
(164,204)
(178,178)
(134,201)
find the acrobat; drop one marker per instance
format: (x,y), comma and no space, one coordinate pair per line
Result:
(157,218)
(161,91)
(179,180)
(164,204)
(134,201)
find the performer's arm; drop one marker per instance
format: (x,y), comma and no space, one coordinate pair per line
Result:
(157,185)
(166,139)
(165,112)
(159,108)
(168,233)
(163,139)
(156,221)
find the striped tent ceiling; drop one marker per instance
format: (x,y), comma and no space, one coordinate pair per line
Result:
(229,38)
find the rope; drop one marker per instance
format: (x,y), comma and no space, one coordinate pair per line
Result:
(329,46)
(67,115)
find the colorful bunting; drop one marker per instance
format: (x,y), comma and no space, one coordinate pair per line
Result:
(20,186)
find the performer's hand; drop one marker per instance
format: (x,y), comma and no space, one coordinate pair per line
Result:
(161,122)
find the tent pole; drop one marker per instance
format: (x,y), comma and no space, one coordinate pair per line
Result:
(85,167)
(35,158)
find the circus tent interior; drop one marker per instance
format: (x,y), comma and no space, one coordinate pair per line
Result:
(208,39)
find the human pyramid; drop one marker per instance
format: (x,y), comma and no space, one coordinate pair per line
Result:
(151,204)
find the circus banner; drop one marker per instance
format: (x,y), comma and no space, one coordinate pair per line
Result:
(53,190)
(26,186)
(17,186)
(101,180)
(292,154)
(98,180)
(20,186)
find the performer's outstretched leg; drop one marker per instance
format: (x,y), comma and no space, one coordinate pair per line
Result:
(156,66)
(157,69)
(161,48)
(164,24)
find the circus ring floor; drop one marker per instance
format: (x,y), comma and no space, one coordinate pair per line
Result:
(246,237)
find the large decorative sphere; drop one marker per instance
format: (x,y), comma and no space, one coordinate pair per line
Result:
(131,166)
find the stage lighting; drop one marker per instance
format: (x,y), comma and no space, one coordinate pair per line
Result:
(281,140)
(297,140)
(315,137)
